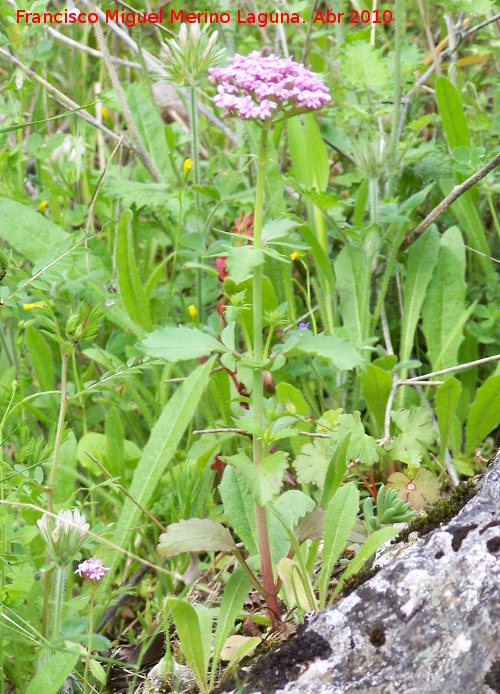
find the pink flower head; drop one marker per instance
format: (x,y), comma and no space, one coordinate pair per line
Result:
(92,569)
(258,86)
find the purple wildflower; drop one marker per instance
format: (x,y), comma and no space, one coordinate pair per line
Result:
(92,569)
(258,86)
(303,326)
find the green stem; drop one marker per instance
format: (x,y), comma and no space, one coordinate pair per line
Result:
(196,175)
(60,582)
(258,385)
(89,646)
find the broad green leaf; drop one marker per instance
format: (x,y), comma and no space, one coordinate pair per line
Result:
(28,232)
(421,261)
(115,443)
(233,597)
(360,204)
(135,193)
(298,584)
(129,281)
(418,491)
(163,442)
(416,437)
(41,358)
(312,462)
(195,535)
(51,675)
(150,126)
(372,545)
(308,152)
(277,229)
(320,256)
(339,520)
(484,413)
(98,671)
(452,114)
(239,508)
(447,397)
(377,385)
(241,261)
(362,65)
(445,301)
(194,628)
(180,344)
(353,274)
(264,481)
(343,355)
(311,526)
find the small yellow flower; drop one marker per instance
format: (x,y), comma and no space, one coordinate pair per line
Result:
(193,313)
(36,304)
(186,167)
(105,112)
(42,206)
(295,255)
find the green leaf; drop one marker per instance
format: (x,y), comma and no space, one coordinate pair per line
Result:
(416,437)
(239,508)
(65,481)
(362,65)
(361,445)
(484,413)
(336,469)
(162,445)
(447,397)
(51,675)
(312,462)
(353,274)
(320,257)
(41,358)
(264,481)
(452,114)
(445,302)
(311,526)
(97,445)
(180,343)
(195,535)
(235,592)
(372,545)
(277,229)
(150,126)
(292,399)
(290,507)
(194,628)
(421,261)
(28,232)
(308,152)
(135,193)
(343,355)
(339,521)
(377,385)
(129,281)
(98,671)
(241,260)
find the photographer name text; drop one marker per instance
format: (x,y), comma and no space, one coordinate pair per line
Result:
(261,19)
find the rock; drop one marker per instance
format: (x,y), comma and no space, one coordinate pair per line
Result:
(429,621)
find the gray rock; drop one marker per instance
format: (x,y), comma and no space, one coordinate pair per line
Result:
(428,621)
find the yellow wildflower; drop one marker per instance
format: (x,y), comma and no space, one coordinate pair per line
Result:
(105,112)
(193,313)
(35,304)
(42,206)
(295,255)
(186,167)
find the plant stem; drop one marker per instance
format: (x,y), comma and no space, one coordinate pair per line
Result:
(89,646)
(258,385)
(399,13)
(60,581)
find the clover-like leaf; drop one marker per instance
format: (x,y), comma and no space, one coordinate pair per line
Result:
(361,446)
(312,462)
(195,535)
(416,437)
(422,490)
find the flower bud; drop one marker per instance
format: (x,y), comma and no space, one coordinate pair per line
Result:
(183,36)
(195,32)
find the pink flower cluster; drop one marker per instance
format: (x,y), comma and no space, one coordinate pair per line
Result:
(92,569)
(254,86)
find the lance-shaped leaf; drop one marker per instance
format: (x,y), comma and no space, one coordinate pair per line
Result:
(195,535)
(180,344)
(263,481)
(340,352)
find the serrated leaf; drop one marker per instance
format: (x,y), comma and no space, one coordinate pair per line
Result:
(239,508)
(363,66)
(277,229)
(179,344)
(312,462)
(241,261)
(361,445)
(423,489)
(290,507)
(264,481)
(155,196)
(311,526)
(343,355)
(416,437)
(195,535)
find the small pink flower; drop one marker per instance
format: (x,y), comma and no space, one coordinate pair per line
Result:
(92,569)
